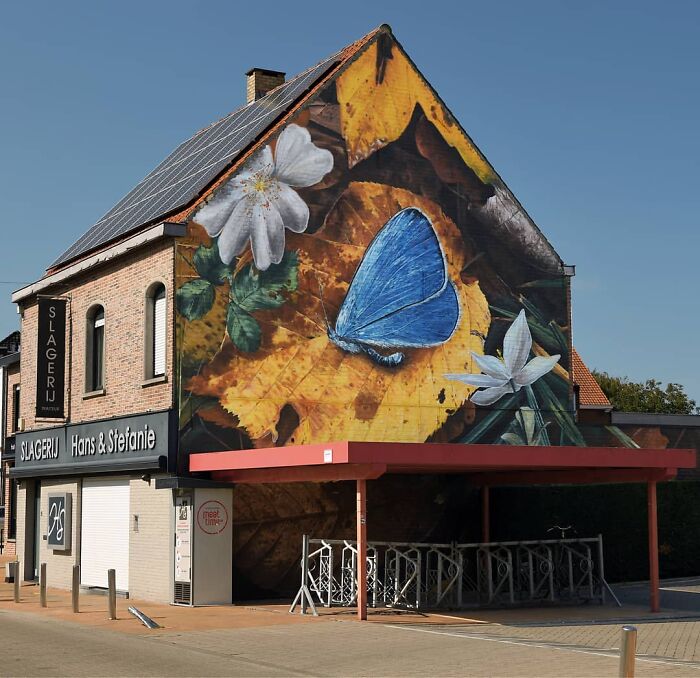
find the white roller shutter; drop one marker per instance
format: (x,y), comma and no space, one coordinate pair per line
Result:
(159,322)
(105,532)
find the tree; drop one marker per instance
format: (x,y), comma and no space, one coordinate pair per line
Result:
(649,396)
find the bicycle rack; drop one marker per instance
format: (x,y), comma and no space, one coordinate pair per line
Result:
(454,576)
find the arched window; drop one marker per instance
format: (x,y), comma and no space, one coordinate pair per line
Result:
(156,324)
(95,353)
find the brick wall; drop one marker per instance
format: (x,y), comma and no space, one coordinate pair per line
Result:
(120,287)
(151,548)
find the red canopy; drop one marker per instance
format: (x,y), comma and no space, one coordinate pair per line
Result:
(484,464)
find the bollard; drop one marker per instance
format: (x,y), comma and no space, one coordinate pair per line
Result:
(42,585)
(628,648)
(16,577)
(112,592)
(75,590)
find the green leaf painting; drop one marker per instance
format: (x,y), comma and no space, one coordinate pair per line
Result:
(195,299)
(208,264)
(526,429)
(253,290)
(243,329)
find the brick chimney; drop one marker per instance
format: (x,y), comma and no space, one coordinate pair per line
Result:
(259,81)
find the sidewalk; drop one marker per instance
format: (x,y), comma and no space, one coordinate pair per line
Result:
(93,612)
(264,639)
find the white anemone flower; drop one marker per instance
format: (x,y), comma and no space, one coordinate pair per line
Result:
(259,202)
(509,375)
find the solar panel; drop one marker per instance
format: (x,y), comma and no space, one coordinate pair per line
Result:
(195,163)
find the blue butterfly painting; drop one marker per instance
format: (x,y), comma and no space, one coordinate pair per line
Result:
(400,295)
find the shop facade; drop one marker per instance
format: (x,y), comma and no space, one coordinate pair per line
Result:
(87,497)
(94,425)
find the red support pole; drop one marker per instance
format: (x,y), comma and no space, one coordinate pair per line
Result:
(485,515)
(653,546)
(362,550)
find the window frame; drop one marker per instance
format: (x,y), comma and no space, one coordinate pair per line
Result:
(16,399)
(153,292)
(94,385)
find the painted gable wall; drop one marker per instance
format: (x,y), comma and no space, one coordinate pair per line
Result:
(309,311)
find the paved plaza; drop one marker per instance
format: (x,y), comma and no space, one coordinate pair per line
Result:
(264,640)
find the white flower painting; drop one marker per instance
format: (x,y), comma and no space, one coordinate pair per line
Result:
(259,202)
(510,374)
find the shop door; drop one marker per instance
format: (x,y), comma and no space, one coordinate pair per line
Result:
(105,532)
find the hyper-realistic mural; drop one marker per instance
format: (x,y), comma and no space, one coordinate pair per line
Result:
(366,275)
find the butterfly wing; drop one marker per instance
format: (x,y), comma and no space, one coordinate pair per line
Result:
(428,323)
(400,294)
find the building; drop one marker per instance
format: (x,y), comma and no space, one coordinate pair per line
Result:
(334,261)
(9,415)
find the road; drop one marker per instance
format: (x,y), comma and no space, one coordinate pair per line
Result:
(35,645)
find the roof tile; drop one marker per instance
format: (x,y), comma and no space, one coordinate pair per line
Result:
(590,394)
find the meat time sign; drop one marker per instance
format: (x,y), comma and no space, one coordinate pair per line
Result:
(51,359)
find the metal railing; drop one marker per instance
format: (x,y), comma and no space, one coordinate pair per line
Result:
(429,576)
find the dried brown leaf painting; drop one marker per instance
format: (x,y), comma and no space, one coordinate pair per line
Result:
(383,79)
(337,395)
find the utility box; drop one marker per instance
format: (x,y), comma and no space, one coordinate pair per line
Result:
(203,559)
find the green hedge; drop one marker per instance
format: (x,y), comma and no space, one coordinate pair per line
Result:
(618,512)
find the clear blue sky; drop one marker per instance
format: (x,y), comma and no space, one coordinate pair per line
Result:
(589,111)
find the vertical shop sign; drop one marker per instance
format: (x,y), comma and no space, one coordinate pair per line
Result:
(51,359)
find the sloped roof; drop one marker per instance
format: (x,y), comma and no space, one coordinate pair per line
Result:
(197,162)
(172,191)
(589,393)
(10,344)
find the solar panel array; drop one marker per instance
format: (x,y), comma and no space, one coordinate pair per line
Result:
(195,163)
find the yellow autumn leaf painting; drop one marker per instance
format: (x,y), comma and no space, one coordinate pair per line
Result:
(200,339)
(334,394)
(363,91)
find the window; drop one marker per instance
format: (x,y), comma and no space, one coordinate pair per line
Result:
(156,325)
(95,350)
(15,408)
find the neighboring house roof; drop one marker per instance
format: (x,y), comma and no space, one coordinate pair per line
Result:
(10,344)
(9,359)
(187,172)
(590,395)
(9,349)
(655,419)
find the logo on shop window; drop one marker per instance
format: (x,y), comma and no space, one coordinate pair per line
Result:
(212,517)
(58,527)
